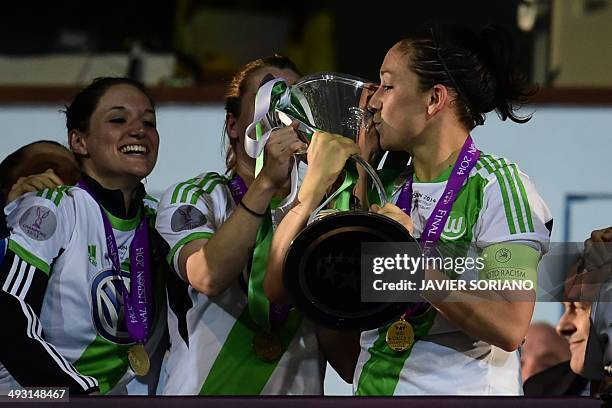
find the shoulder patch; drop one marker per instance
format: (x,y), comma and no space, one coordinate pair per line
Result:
(38,222)
(187,217)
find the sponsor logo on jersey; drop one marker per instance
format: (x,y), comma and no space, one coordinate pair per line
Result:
(108,310)
(91,252)
(187,217)
(455,227)
(38,223)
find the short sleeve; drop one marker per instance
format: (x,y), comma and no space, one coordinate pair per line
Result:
(41,225)
(513,210)
(192,210)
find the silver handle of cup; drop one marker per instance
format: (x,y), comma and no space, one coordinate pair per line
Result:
(374,176)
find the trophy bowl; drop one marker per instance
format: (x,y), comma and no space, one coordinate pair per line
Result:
(329,101)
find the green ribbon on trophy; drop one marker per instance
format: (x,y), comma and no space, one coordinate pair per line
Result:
(267,343)
(267,98)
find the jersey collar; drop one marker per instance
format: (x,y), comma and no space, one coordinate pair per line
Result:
(112,200)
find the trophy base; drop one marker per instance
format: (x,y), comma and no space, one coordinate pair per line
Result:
(322,270)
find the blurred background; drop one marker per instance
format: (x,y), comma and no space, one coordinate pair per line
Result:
(184,42)
(187,51)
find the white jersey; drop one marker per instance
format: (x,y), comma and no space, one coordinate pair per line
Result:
(497,203)
(67,303)
(211,338)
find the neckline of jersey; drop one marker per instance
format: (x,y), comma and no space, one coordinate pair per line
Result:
(444,176)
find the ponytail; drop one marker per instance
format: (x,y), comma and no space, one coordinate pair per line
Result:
(510,90)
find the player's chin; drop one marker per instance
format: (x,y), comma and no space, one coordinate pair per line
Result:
(140,170)
(577,363)
(383,144)
(383,139)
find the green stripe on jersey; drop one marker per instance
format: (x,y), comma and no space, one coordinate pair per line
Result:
(196,196)
(194,186)
(178,188)
(53,194)
(185,193)
(105,361)
(237,370)
(59,193)
(123,225)
(29,257)
(508,211)
(524,197)
(207,186)
(515,198)
(191,237)
(508,173)
(151,198)
(380,374)
(45,193)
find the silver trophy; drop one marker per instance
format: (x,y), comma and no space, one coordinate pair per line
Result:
(330,102)
(322,267)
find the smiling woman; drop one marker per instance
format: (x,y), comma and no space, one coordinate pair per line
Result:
(82,281)
(117,145)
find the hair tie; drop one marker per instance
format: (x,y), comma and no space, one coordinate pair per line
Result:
(256,214)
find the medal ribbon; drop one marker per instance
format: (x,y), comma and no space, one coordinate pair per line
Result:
(381,373)
(138,307)
(265,314)
(468,156)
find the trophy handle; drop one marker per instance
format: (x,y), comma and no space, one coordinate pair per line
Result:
(374,176)
(371,172)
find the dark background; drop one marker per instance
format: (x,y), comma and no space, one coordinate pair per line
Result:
(361,33)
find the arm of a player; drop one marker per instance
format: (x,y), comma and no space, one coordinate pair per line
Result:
(498,317)
(27,356)
(211,265)
(327,155)
(39,231)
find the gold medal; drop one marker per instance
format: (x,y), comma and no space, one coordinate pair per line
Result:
(400,335)
(139,359)
(267,346)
